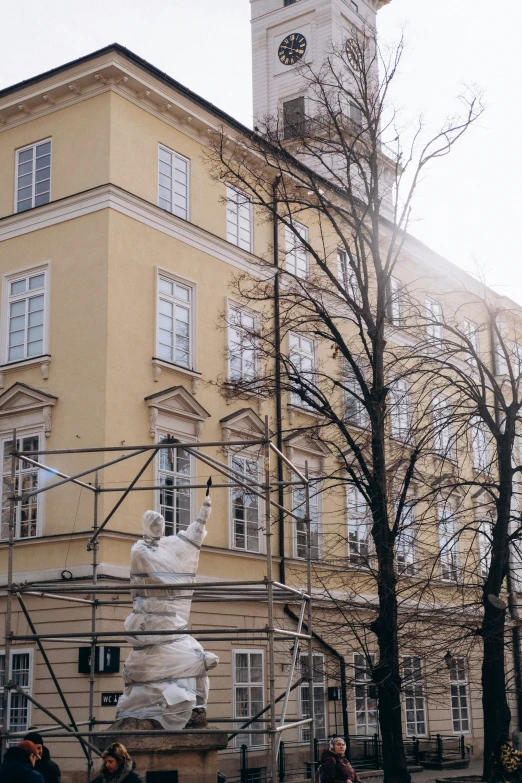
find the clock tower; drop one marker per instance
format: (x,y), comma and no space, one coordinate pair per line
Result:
(286,33)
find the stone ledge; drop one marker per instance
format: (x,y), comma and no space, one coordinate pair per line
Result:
(159,743)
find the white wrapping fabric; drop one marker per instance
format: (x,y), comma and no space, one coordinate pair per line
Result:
(165,675)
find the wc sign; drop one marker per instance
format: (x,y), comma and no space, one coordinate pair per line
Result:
(110,699)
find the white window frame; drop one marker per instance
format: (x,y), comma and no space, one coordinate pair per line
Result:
(33,194)
(358,522)
(27,689)
(443,434)
(347,277)
(449,553)
(365,682)
(254,458)
(315,518)
(245,346)
(395,302)
(434,325)
(32,432)
(414,696)
(407,542)
(485,542)
(471,331)
(247,739)
(480,446)
(319,696)
(355,411)
(459,694)
(400,399)
(8,299)
(297,355)
(192,307)
(161,435)
(239,207)
(186,161)
(297,262)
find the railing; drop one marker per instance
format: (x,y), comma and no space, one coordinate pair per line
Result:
(251,764)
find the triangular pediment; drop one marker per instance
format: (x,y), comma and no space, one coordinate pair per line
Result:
(302,441)
(20,397)
(244,422)
(177,400)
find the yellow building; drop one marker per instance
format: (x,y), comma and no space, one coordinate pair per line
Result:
(118,251)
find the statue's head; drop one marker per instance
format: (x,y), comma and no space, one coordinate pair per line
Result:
(153,526)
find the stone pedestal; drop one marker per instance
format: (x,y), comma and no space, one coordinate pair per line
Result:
(193,756)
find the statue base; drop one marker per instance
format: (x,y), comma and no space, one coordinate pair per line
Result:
(190,758)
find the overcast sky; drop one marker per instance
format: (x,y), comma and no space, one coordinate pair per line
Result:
(469,208)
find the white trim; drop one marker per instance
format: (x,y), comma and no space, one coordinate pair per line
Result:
(189,174)
(162,432)
(17,152)
(249,453)
(249,203)
(193,310)
(247,651)
(231,304)
(29,689)
(45,268)
(24,432)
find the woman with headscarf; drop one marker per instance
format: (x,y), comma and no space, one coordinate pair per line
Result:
(117,767)
(335,767)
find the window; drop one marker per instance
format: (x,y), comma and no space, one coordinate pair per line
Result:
(354,407)
(248,692)
(485,538)
(302,357)
(479,445)
(174,321)
(414,697)
(395,302)
(356,115)
(26,314)
(296,255)
(347,277)
(400,409)
(293,117)
(27,521)
(19,707)
(33,176)
(245,507)
(434,326)
(459,696)
(406,549)
(318,676)
(470,330)
(241,344)
(239,219)
(366,721)
(448,541)
(443,436)
(359,525)
(299,498)
(173,179)
(174,471)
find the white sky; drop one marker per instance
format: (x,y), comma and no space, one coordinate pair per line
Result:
(469,207)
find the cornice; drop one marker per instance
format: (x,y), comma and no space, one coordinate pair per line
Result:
(112,197)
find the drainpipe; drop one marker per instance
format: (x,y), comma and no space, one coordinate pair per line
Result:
(278,401)
(342,670)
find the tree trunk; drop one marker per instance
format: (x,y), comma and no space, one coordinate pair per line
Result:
(497,715)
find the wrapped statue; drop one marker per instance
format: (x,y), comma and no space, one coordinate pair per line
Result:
(165,674)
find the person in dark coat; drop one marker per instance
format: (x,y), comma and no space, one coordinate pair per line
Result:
(335,767)
(47,768)
(18,764)
(118,767)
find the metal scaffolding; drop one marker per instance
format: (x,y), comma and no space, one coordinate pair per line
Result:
(267,589)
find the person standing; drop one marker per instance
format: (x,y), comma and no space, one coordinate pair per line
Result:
(117,767)
(335,767)
(49,770)
(18,764)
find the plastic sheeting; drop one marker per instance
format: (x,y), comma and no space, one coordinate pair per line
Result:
(165,675)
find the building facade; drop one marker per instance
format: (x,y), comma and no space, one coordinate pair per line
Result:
(118,251)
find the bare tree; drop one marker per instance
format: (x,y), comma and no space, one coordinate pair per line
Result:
(477,366)
(326,295)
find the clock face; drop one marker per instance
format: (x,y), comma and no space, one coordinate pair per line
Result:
(354,55)
(292,48)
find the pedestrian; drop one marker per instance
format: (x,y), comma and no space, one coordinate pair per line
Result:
(117,767)
(47,768)
(335,767)
(509,760)
(18,764)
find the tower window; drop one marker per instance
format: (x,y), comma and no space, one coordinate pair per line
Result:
(293,117)
(290,2)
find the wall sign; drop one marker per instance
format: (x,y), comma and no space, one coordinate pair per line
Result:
(110,699)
